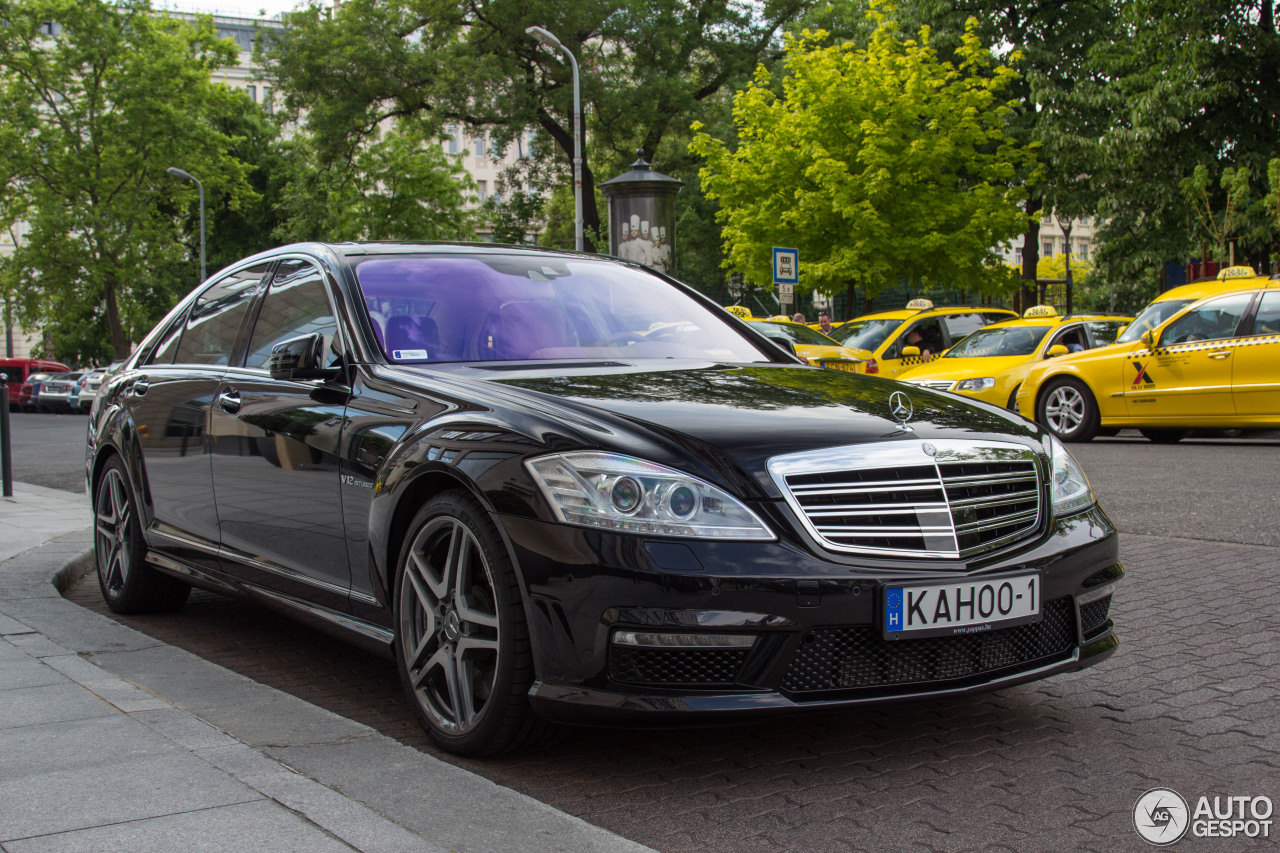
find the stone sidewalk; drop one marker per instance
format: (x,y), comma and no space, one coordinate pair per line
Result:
(112,740)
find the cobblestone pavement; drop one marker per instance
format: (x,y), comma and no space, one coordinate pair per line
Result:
(1188,702)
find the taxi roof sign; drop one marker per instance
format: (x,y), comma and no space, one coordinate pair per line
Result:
(1236,272)
(920,304)
(1040,311)
(739,311)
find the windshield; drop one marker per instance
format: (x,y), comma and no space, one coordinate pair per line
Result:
(797,334)
(1153,315)
(988,342)
(865,334)
(448,308)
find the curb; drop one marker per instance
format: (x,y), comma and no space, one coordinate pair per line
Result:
(355,784)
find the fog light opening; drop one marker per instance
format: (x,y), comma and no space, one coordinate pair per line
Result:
(661,640)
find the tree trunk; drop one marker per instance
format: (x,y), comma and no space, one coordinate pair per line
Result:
(119,340)
(1030,253)
(848,301)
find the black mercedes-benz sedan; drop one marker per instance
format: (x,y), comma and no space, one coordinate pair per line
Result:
(561,487)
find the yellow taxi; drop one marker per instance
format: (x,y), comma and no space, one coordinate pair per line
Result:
(814,347)
(893,341)
(1202,355)
(991,363)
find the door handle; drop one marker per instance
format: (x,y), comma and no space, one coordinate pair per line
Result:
(140,386)
(1219,356)
(229,401)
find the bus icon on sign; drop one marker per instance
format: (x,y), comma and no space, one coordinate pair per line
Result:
(786,266)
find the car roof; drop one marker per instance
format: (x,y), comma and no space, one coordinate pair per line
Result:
(937,311)
(1055,321)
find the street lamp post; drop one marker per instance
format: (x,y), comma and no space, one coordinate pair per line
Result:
(545,37)
(186,176)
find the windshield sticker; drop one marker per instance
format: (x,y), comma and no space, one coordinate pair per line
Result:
(401,354)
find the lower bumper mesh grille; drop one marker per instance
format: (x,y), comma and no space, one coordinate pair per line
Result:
(676,667)
(1093,616)
(858,657)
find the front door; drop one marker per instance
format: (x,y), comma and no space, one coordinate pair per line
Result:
(1187,380)
(276,453)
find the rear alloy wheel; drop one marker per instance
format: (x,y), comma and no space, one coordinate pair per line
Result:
(128,584)
(1165,436)
(1068,409)
(462,645)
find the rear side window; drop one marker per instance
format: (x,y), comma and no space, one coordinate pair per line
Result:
(168,346)
(1268,320)
(962,325)
(296,304)
(215,319)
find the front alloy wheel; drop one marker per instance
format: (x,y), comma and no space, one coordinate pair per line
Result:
(1068,409)
(461,642)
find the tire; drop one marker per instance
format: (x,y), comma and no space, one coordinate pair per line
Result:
(1165,436)
(1066,408)
(1012,405)
(462,643)
(128,584)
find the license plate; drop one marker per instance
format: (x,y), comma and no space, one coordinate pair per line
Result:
(847,366)
(964,607)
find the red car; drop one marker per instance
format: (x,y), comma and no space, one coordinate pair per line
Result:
(16,373)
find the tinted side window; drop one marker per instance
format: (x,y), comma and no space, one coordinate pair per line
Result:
(1268,320)
(215,319)
(962,325)
(1211,321)
(296,304)
(168,346)
(1105,332)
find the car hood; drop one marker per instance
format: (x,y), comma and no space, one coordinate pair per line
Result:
(737,418)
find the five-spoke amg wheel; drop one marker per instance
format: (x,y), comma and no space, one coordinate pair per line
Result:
(128,584)
(462,645)
(1068,409)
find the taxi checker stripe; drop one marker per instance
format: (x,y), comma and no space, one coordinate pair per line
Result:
(1219,342)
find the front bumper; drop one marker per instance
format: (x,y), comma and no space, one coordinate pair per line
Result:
(813,620)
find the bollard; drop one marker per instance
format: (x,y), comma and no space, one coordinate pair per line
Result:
(6,457)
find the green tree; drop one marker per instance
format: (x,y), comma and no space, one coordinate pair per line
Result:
(96,101)
(648,67)
(877,163)
(397,186)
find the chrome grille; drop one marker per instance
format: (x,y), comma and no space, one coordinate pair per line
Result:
(933,384)
(964,498)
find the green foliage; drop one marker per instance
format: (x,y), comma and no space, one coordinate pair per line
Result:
(878,163)
(90,118)
(1217,228)
(648,67)
(396,186)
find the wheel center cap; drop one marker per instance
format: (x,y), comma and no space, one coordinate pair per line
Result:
(452,626)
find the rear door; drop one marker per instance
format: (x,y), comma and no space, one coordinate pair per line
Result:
(1255,369)
(168,397)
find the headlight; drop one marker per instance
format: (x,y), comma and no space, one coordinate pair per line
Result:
(616,492)
(977,384)
(1068,484)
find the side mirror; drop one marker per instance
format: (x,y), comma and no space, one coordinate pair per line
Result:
(1120,331)
(1056,350)
(1149,339)
(908,352)
(299,358)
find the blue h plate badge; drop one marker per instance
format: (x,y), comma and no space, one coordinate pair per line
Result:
(960,607)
